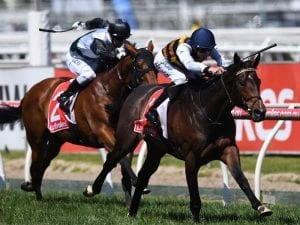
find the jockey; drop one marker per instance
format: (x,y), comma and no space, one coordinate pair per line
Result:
(182,58)
(93,52)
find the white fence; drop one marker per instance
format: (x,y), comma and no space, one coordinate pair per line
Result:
(14,46)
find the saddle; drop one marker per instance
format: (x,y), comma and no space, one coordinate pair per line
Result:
(57,119)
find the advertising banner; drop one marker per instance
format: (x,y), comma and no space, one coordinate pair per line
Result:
(280,84)
(14,82)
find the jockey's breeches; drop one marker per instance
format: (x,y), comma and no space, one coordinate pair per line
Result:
(84,72)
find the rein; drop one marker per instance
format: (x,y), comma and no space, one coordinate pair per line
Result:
(137,73)
(249,109)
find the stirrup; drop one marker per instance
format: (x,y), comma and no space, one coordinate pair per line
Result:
(63,103)
(152,117)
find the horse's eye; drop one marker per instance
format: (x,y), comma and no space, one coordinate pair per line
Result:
(259,81)
(242,82)
(139,63)
(242,79)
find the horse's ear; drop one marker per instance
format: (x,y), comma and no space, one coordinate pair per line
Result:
(256,61)
(130,48)
(150,46)
(236,58)
(126,43)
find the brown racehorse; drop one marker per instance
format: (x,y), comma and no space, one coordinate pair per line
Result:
(92,111)
(200,129)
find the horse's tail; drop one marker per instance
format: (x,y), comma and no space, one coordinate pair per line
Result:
(9,114)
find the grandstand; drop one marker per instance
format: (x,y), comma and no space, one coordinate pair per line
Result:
(163,14)
(240,25)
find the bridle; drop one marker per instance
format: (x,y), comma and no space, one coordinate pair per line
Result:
(138,72)
(244,104)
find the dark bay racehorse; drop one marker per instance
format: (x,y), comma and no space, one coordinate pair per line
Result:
(200,129)
(92,111)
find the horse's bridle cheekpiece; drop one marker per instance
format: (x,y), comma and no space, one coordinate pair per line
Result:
(138,72)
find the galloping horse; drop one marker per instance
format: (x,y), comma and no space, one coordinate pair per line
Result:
(92,111)
(200,128)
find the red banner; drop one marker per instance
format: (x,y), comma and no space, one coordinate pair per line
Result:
(280,84)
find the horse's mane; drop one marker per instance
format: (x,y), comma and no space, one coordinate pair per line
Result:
(114,108)
(209,84)
(114,64)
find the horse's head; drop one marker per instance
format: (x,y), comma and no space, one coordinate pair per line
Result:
(248,84)
(141,63)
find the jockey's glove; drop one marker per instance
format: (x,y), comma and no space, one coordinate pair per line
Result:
(78,25)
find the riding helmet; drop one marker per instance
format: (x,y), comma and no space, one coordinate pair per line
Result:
(120,29)
(202,38)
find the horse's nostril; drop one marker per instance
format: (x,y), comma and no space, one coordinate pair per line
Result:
(259,111)
(259,114)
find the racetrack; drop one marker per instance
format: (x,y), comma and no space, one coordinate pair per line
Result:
(61,208)
(168,180)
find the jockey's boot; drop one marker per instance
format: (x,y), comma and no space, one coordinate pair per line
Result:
(64,97)
(152,114)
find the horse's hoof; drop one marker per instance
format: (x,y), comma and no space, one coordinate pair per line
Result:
(264,211)
(196,219)
(39,196)
(27,186)
(146,191)
(88,191)
(132,215)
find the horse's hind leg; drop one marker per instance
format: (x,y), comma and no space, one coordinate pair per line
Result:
(232,159)
(42,155)
(149,167)
(126,180)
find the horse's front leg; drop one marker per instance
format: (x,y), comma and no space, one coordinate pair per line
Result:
(232,159)
(191,173)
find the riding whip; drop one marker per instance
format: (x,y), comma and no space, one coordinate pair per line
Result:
(56,31)
(261,50)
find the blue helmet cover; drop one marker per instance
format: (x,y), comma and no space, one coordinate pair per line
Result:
(202,38)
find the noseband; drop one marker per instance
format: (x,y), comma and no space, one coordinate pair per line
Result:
(244,104)
(137,72)
(257,97)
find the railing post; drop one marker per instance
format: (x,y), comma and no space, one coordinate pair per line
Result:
(2,174)
(39,42)
(262,154)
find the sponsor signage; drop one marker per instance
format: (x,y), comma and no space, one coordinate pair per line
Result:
(280,85)
(14,82)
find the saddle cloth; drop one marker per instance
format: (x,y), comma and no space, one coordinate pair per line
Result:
(140,125)
(57,118)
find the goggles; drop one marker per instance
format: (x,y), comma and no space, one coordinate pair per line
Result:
(204,50)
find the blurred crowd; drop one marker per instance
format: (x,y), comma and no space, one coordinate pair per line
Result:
(155,14)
